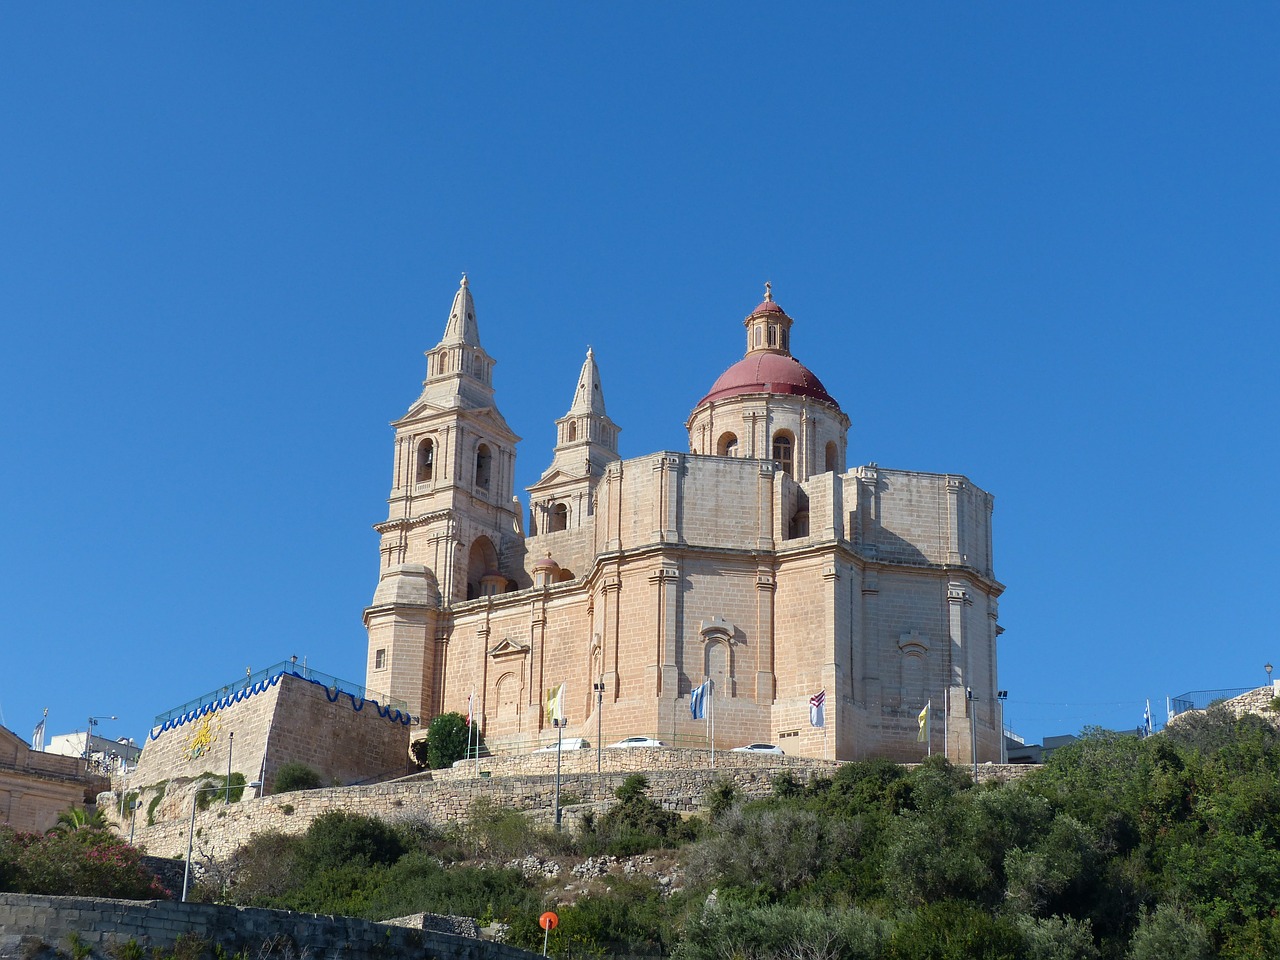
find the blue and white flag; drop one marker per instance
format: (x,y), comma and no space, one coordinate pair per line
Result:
(698,699)
(818,709)
(1146,719)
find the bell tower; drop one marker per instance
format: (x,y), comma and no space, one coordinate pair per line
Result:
(453,527)
(586,441)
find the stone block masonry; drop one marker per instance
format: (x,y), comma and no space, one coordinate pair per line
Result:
(678,780)
(105,925)
(344,739)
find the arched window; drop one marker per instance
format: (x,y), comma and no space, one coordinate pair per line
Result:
(782,447)
(773,335)
(573,432)
(782,338)
(426,461)
(727,445)
(833,457)
(759,336)
(484,464)
(559,517)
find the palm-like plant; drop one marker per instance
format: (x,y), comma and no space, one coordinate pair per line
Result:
(74,819)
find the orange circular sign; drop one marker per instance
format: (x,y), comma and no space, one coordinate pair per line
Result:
(548,921)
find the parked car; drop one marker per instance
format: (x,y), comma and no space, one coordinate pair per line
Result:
(570,743)
(636,742)
(760,748)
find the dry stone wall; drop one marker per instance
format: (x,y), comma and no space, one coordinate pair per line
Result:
(105,926)
(678,780)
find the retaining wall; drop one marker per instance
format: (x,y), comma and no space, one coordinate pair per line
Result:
(678,780)
(107,924)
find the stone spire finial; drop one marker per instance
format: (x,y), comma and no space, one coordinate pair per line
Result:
(768,289)
(462,327)
(589,396)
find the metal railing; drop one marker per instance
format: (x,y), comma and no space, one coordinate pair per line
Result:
(1202,699)
(358,690)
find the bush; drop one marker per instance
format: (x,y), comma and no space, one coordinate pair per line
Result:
(82,862)
(783,931)
(447,740)
(207,797)
(337,839)
(635,824)
(296,776)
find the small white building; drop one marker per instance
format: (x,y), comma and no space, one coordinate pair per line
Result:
(107,755)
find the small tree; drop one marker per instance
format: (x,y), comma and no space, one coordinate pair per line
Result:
(447,740)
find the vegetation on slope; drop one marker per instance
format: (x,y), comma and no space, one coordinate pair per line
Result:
(1117,849)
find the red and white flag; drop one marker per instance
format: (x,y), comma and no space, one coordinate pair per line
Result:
(817,709)
(470,704)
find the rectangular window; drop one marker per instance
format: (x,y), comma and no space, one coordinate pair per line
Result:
(379,659)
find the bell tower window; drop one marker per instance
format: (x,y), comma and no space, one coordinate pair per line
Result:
(559,518)
(573,432)
(782,447)
(484,465)
(426,461)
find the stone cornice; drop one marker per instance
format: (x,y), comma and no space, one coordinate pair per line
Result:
(408,523)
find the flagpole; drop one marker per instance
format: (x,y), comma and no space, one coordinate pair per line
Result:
(946,723)
(711,720)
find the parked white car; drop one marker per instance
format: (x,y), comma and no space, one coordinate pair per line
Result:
(760,748)
(570,743)
(636,742)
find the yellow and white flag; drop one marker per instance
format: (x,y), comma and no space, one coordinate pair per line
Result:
(923,720)
(555,704)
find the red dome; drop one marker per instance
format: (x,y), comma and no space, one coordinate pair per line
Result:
(768,373)
(766,306)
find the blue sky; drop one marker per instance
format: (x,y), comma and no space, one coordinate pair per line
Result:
(1034,244)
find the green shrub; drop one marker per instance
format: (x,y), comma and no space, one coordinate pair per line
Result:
(720,797)
(295,775)
(84,862)
(447,740)
(635,824)
(207,796)
(499,832)
(155,802)
(337,838)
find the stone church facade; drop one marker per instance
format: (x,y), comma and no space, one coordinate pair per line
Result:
(756,558)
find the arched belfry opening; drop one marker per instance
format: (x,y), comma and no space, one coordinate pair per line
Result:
(482,561)
(484,466)
(426,461)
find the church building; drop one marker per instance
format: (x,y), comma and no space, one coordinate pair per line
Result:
(756,558)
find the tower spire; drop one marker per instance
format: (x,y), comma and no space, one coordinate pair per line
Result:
(462,327)
(589,397)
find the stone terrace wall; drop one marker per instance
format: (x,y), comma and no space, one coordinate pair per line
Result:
(291,720)
(106,924)
(678,780)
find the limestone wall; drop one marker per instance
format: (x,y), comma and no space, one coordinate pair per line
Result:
(106,925)
(35,787)
(290,720)
(678,780)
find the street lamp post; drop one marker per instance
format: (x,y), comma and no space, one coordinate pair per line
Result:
(599,689)
(1268,668)
(191,831)
(231,742)
(973,729)
(560,725)
(1002,696)
(88,736)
